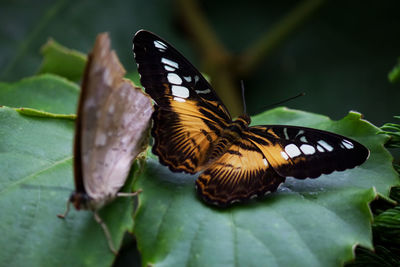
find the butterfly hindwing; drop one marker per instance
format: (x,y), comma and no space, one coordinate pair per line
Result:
(303,152)
(241,173)
(189,115)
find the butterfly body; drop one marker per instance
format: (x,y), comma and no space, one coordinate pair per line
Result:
(193,132)
(229,135)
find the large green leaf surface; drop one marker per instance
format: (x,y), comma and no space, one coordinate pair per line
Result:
(305,223)
(35,182)
(45,92)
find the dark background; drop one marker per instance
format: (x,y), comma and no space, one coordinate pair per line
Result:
(340,57)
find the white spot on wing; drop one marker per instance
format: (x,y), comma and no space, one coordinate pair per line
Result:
(292,150)
(285,133)
(125,139)
(303,139)
(160,45)
(284,155)
(111,109)
(179,99)
(169,62)
(174,78)
(320,149)
(203,91)
(325,145)
(307,149)
(196,79)
(168,68)
(180,91)
(187,78)
(101,139)
(348,144)
(299,133)
(265,162)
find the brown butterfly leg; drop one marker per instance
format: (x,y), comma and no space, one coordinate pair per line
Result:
(62,216)
(106,232)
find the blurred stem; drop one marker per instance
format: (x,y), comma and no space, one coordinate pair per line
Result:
(215,58)
(226,70)
(199,29)
(257,52)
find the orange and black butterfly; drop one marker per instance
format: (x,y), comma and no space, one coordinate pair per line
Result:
(193,132)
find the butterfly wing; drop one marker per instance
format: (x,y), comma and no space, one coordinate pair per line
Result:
(188,115)
(239,174)
(303,152)
(113,117)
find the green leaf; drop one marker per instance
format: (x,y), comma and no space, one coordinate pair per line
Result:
(45,92)
(58,59)
(392,130)
(35,182)
(394,74)
(306,223)
(387,226)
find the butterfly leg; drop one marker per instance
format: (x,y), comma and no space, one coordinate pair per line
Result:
(132,194)
(62,216)
(106,232)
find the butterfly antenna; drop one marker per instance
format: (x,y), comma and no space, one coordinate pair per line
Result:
(286,100)
(280,102)
(243,98)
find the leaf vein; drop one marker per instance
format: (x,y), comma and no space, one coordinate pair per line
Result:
(33,175)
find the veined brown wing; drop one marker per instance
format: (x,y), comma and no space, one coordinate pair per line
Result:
(240,174)
(188,115)
(113,118)
(183,136)
(303,152)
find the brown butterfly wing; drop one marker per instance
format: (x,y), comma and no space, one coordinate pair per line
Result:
(239,174)
(303,152)
(113,117)
(183,136)
(188,115)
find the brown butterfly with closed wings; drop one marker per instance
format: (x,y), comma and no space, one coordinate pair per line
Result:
(111,130)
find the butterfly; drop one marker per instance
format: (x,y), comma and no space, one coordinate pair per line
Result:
(194,132)
(111,130)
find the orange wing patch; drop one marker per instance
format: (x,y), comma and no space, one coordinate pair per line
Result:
(239,174)
(183,135)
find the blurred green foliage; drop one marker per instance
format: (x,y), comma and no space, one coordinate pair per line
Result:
(340,56)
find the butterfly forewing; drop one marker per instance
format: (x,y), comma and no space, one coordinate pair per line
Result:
(303,152)
(181,140)
(165,73)
(189,115)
